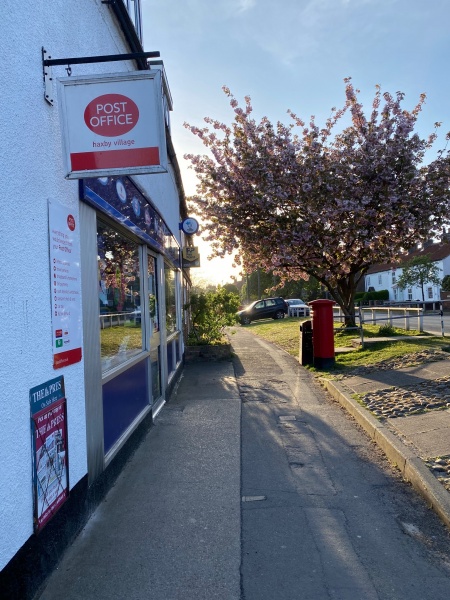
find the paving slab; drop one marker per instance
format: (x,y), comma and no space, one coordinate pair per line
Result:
(381,380)
(410,440)
(375,380)
(429,433)
(162,530)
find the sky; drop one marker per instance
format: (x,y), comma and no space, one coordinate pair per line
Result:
(295,54)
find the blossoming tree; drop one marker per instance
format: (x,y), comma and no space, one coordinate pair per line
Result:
(326,202)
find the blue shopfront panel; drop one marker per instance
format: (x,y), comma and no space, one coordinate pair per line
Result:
(124,398)
(170,366)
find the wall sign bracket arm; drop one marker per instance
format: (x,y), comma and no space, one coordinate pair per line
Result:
(48,62)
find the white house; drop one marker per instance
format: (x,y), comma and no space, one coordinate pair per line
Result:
(385,277)
(92,284)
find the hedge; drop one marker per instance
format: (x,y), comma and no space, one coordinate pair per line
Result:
(367,296)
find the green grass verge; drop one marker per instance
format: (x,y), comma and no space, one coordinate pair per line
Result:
(111,339)
(285,333)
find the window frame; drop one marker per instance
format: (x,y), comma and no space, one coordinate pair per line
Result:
(134,9)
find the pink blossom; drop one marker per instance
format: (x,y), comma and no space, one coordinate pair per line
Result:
(311,202)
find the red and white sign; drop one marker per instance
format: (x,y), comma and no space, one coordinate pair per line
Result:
(67,321)
(113,124)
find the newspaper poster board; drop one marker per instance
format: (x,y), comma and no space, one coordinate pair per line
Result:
(49,448)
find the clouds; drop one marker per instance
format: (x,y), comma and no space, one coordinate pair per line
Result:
(245,5)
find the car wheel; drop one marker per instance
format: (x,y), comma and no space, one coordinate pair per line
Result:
(279,315)
(246,321)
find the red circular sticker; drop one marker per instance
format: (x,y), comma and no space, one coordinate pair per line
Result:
(71,222)
(111,115)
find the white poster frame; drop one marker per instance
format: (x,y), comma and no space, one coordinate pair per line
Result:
(65,284)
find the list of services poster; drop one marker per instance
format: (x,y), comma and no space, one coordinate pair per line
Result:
(50,453)
(65,285)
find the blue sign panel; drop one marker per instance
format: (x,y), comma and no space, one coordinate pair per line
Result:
(121,199)
(42,396)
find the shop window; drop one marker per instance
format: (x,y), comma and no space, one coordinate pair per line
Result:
(153,295)
(119,293)
(171,309)
(153,308)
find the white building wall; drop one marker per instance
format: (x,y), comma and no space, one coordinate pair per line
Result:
(31,175)
(383,281)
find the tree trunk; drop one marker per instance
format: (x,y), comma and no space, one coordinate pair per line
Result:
(344,295)
(349,317)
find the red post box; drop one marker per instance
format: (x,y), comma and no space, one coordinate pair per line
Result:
(323,333)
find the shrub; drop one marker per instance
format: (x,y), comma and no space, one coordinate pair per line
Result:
(380,295)
(446,283)
(386,330)
(211,312)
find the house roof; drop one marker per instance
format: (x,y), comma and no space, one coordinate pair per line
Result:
(437,251)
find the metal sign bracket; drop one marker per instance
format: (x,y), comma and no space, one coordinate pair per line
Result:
(48,78)
(48,62)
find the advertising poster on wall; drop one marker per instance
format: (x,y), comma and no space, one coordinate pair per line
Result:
(113,124)
(65,285)
(50,451)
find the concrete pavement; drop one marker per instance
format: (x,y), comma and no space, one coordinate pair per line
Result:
(410,441)
(240,487)
(170,526)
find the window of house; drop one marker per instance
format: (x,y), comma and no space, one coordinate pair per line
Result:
(394,277)
(380,279)
(395,294)
(430,292)
(410,297)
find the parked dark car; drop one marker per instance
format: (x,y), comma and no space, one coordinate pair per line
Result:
(269,308)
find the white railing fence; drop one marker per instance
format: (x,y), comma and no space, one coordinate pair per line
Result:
(374,314)
(116,319)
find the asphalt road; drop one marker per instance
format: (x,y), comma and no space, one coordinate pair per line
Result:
(431,322)
(324,515)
